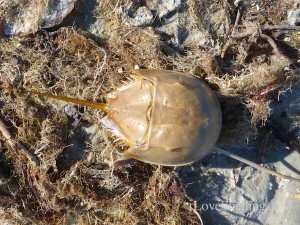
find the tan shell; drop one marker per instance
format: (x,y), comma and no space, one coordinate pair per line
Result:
(166,117)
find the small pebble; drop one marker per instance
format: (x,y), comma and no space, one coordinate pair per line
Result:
(142,17)
(294,17)
(120,70)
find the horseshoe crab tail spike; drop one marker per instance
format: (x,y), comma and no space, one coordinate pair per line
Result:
(95,105)
(259,167)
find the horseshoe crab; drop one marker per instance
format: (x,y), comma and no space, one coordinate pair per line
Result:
(165,117)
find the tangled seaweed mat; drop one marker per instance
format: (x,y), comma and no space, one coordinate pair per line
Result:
(66,188)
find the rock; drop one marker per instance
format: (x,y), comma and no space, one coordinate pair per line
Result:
(163,8)
(142,17)
(145,14)
(294,17)
(29,18)
(72,114)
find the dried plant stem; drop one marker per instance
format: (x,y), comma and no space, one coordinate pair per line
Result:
(256,166)
(16,145)
(225,48)
(280,27)
(198,215)
(258,32)
(264,36)
(240,35)
(234,29)
(238,19)
(272,43)
(274,27)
